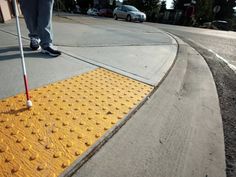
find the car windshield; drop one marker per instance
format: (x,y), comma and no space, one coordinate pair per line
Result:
(131,8)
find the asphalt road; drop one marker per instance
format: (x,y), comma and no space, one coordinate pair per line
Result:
(221,42)
(219,50)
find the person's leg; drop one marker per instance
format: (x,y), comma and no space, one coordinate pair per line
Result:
(45,8)
(45,22)
(29,10)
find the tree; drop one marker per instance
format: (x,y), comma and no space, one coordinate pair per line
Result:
(179,4)
(163,6)
(151,4)
(84,4)
(113,4)
(200,12)
(137,3)
(174,4)
(226,11)
(204,10)
(144,5)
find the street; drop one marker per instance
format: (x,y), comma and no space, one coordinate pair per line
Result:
(221,42)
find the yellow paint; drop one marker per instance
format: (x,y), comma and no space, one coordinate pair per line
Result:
(67,118)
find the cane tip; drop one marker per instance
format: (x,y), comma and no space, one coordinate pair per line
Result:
(29,104)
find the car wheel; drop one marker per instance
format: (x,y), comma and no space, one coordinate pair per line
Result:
(115,17)
(128,18)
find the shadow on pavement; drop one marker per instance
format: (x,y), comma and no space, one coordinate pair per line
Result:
(13,52)
(15,112)
(13,49)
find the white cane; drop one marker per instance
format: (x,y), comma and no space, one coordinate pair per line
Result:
(28,103)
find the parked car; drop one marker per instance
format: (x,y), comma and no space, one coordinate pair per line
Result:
(105,13)
(92,11)
(221,25)
(130,13)
(217,24)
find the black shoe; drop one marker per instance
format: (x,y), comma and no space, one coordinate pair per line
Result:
(50,51)
(34,44)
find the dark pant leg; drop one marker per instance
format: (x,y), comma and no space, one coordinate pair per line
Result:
(45,8)
(29,9)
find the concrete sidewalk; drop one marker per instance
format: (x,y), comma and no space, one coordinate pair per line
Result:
(178,132)
(137,51)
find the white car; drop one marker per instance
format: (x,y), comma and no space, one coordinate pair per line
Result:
(130,13)
(92,11)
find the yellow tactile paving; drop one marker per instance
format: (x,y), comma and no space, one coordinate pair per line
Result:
(66,119)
